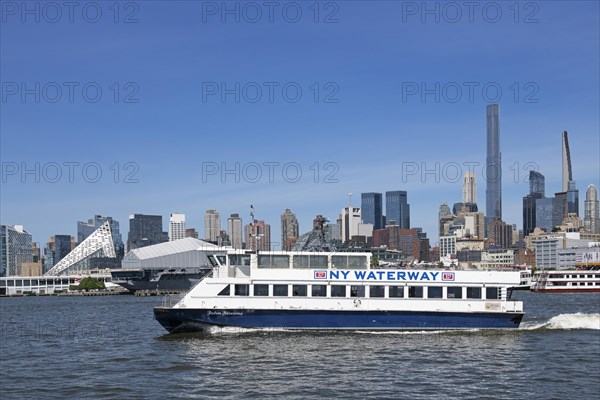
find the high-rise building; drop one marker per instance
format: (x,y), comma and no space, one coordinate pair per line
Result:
(258,236)
(500,234)
(372,209)
(212,225)
(15,249)
(445,218)
(537,183)
(191,232)
(493,168)
(568,184)
(351,218)
(145,230)
(469,191)
(536,191)
(85,229)
(290,230)
(234,229)
(544,213)
(591,217)
(397,208)
(176,227)
(56,249)
(475,225)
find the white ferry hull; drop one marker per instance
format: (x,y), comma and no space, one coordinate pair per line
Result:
(193,320)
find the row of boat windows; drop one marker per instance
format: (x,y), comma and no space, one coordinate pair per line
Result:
(552,276)
(575,284)
(298,261)
(37,282)
(418,292)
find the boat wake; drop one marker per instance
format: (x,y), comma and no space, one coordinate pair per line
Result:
(566,322)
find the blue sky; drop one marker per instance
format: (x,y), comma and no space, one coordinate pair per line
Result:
(365,122)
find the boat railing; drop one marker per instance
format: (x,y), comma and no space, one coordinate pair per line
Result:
(540,282)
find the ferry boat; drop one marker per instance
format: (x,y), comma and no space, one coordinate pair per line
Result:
(567,281)
(340,291)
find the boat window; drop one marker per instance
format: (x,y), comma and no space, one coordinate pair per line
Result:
(273,261)
(434,292)
(338,290)
(212,260)
(377,291)
(242,290)
(34,282)
(319,291)
(492,293)
(10,282)
(310,261)
(415,291)
(357,291)
(454,292)
(225,292)
(280,290)
(261,290)
(396,291)
(2,283)
(349,262)
(239,259)
(473,293)
(299,290)
(222,259)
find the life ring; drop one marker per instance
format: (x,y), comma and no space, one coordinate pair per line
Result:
(356,302)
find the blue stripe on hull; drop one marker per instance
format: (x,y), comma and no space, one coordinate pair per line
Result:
(185,320)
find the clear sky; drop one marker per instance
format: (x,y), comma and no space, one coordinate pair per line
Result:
(365,92)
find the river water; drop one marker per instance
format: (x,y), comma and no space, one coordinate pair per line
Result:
(111,347)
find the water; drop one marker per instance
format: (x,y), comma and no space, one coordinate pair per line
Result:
(110,347)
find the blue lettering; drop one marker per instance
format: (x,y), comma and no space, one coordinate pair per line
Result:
(380,273)
(334,274)
(390,276)
(360,275)
(345,273)
(425,276)
(401,275)
(413,276)
(372,275)
(434,275)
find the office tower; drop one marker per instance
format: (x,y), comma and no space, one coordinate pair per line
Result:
(372,209)
(212,225)
(561,207)
(469,191)
(591,218)
(445,218)
(475,225)
(15,249)
(289,230)
(568,184)
(493,169)
(234,229)
(176,227)
(56,249)
(500,234)
(544,213)
(536,191)
(351,218)
(145,230)
(85,229)
(258,236)
(397,208)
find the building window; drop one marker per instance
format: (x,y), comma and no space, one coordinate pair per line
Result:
(261,290)
(434,292)
(225,292)
(280,290)
(473,293)
(454,292)
(357,291)
(299,290)
(242,290)
(338,291)
(319,291)
(415,291)
(377,291)
(396,291)
(491,293)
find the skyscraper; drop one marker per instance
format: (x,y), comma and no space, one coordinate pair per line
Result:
(568,184)
(397,208)
(591,218)
(176,227)
(372,209)
(493,169)
(85,229)
(234,229)
(469,192)
(258,236)
(351,217)
(144,230)
(15,249)
(212,225)
(289,230)
(537,183)
(56,249)
(536,191)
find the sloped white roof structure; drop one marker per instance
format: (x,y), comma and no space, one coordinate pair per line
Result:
(176,246)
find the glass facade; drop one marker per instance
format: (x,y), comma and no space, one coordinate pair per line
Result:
(397,208)
(145,230)
(372,209)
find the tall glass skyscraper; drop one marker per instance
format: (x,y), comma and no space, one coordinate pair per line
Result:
(397,208)
(372,209)
(145,230)
(493,169)
(537,189)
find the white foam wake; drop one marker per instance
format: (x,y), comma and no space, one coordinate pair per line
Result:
(567,322)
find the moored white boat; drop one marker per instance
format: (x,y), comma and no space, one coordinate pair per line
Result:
(567,281)
(299,290)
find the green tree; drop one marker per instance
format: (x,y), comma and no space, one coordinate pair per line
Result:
(374,262)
